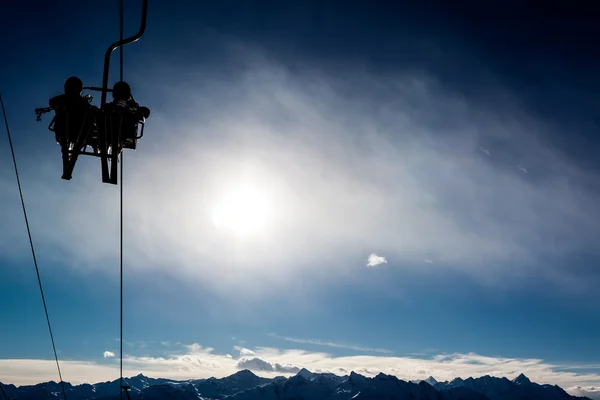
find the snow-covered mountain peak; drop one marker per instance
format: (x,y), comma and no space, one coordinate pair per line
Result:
(431,380)
(456,382)
(356,379)
(383,377)
(522,380)
(305,373)
(245,373)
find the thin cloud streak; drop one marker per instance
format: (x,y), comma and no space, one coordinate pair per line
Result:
(319,342)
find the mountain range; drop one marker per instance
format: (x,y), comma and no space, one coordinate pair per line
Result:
(305,385)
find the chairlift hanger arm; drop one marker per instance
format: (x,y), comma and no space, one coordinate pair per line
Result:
(118,44)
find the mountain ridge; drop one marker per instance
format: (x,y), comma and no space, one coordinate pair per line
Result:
(304,385)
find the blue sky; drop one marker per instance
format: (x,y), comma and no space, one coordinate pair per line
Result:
(461,151)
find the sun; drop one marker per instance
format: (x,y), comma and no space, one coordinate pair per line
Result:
(245,211)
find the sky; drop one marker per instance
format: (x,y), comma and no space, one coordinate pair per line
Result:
(377,187)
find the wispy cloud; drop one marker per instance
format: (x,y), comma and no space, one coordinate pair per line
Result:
(139,344)
(108,354)
(424,352)
(244,352)
(319,342)
(375,260)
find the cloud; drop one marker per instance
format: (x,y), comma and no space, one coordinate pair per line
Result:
(375,260)
(381,174)
(591,392)
(243,351)
(32,371)
(201,362)
(320,342)
(108,354)
(286,369)
(195,348)
(255,364)
(139,344)
(258,364)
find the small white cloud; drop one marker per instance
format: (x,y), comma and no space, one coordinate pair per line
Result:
(375,260)
(522,169)
(484,151)
(108,354)
(166,343)
(428,261)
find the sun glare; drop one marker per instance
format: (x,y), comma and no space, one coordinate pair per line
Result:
(244,211)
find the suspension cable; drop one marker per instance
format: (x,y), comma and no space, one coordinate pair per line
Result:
(121,252)
(121,26)
(121,13)
(37,270)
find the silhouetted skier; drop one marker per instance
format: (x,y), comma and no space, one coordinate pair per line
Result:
(70,109)
(128,114)
(73,122)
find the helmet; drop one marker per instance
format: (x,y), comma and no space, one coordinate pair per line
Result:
(73,86)
(121,91)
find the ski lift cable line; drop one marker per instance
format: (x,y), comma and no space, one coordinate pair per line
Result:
(37,269)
